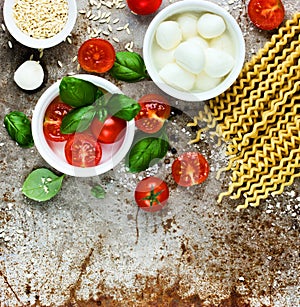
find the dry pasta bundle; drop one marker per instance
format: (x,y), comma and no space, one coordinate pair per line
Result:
(259,119)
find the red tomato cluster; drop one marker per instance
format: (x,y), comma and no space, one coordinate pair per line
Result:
(81,149)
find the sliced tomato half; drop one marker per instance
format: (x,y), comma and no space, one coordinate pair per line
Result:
(266,14)
(53,118)
(189,169)
(83,150)
(96,55)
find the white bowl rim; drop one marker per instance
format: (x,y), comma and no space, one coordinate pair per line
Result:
(188,6)
(31,42)
(47,153)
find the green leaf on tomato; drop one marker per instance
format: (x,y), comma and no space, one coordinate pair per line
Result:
(18,127)
(77,92)
(122,106)
(147,151)
(129,67)
(78,120)
(42,184)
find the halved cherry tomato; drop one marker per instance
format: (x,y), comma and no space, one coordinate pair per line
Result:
(53,118)
(83,150)
(155,109)
(266,14)
(144,7)
(151,194)
(112,130)
(190,168)
(96,55)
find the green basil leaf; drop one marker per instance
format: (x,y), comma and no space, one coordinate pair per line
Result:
(122,106)
(78,120)
(77,92)
(98,192)
(102,114)
(42,184)
(18,127)
(129,67)
(147,152)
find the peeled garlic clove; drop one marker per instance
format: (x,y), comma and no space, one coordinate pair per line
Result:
(177,77)
(210,25)
(217,63)
(204,82)
(190,56)
(168,35)
(188,25)
(29,76)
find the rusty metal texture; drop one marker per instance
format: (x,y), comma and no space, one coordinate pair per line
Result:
(76,250)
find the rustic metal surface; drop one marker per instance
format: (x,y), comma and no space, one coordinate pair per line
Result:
(76,250)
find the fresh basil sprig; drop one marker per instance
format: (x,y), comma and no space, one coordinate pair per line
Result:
(129,67)
(42,184)
(18,127)
(122,106)
(77,92)
(147,151)
(78,120)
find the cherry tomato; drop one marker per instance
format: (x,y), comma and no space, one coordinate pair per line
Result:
(96,55)
(112,130)
(151,194)
(53,118)
(266,14)
(144,7)
(155,109)
(189,169)
(83,150)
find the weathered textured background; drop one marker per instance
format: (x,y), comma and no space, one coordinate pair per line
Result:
(76,250)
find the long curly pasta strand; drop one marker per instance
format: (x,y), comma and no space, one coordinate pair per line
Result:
(248,79)
(256,102)
(279,105)
(279,179)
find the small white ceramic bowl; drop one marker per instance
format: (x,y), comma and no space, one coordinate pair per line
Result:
(53,152)
(195,7)
(31,42)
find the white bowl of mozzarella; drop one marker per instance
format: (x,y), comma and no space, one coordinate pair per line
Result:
(194,50)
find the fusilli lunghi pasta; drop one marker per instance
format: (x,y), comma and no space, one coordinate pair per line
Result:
(259,118)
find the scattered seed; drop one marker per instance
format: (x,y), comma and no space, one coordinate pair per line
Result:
(10,44)
(59,63)
(126,26)
(69,40)
(3,27)
(120,28)
(88,14)
(82,12)
(116,39)
(106,33)
(128,31)
(74,59)
(109,27)
(116,20)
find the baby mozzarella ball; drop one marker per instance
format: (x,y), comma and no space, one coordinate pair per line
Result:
(168,35)
(177,77)
(190,56)
(217,63)
(188,25)
(210,25)
(29,76)
(161,57)
(204,82)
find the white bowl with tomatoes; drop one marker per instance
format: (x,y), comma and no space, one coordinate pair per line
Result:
(95,147)
(193,50)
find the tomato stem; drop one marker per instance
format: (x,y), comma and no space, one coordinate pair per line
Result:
(153,197)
